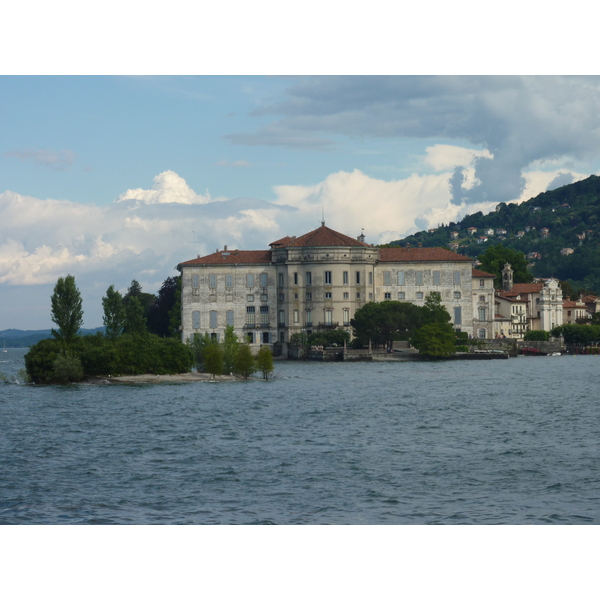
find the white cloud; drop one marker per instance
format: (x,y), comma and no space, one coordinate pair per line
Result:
(142,238)
(168,188)
(443,157)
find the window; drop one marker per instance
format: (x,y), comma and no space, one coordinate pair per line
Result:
(400,295)
(328,317)
(249,280)
(229,281)
(280,280)
(296,296)
(195,281)
(296,316)
(264,297)
(328,295)
(213,319)
(481,298)
(346,313)
(250,298)
(436,277)
(308,278)
(387,296)
(295,278)
(419,295)
(229,318)
(264,280)
(345,277)
(358,295)
(387,278)
(456,277)
(309,295)
(370,295)
(264,315)
(281,297)
(482,334)
(250,315)
(482,314)
(214,336)
(400,277)
(457,295)
(418,277)
(265,337)
(357,277)
(282,317)
(328,277)
(250,337)
(346,295)
(482,283)
(212,281)
(370,277)
(457,315)
(309,316)
(196,319)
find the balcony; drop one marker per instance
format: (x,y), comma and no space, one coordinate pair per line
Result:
(332,325)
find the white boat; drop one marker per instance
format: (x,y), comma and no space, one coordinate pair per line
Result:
(4,349)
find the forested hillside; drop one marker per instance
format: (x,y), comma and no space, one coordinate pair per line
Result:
(569,250)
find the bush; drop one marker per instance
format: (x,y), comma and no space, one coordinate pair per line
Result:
(536,336)
(67,367)
(245,363)
(264,361)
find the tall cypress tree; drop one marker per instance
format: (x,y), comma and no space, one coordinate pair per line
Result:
(67,310)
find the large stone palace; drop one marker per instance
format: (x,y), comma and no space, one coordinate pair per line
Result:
(319,280)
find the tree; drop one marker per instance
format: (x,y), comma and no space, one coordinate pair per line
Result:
(146,300)
(213,359)
(384,322)
(494,259)
(160,312)
(434,311)
(264,361)
(231,346)
(67,310)
(114,312)
(135,321)
(435,340)
(245,363)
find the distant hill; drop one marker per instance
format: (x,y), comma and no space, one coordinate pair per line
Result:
(18,338)
(569,250)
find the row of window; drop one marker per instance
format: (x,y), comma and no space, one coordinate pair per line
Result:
(328,279)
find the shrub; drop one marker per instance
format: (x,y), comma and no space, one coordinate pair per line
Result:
(536,336)
(67,367)
(264,361)
(245,363)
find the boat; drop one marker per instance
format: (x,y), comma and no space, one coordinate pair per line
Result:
(4,349)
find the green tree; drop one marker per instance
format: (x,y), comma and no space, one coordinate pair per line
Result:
(494,259)
(384,322)
(264,361)
(212,356)
(135,321)
(114,312)
(245,364)
(231,346)
(67,367)
(435,340)
(67,310)
(433,310)
(536,335)
(160,313)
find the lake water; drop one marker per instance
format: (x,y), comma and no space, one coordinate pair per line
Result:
(486,442)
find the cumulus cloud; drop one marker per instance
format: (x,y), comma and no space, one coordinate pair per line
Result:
(443,157)
(517,120)
(58,160)
(147,235)
(168,188)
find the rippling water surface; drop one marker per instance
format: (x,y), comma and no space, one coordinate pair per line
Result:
(485,442)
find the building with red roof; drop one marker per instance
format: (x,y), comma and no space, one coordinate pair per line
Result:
(317,281)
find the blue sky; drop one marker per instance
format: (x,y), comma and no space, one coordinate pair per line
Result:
(114,178)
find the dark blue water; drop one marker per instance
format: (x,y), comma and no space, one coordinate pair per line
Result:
(509,441)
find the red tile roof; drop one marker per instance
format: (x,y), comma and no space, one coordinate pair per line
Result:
(477,273)
(231,257)
(522,288)
(322,236)
(421,254)
(283,242)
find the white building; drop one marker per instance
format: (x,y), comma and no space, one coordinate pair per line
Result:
(319,280)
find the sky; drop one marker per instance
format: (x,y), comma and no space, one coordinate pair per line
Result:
(114,178)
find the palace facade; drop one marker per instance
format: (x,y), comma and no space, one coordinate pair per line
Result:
(319,280)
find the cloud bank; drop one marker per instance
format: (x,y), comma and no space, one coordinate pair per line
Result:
(517,121)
